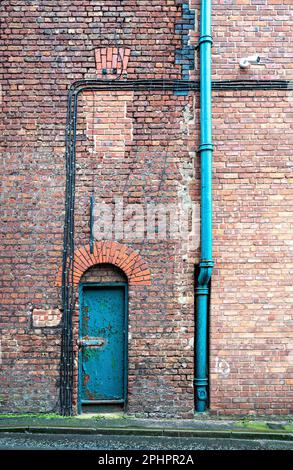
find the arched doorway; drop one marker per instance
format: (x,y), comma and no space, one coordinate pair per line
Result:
(103,338)
(106,263)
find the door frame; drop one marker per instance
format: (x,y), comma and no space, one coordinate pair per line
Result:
(81,287)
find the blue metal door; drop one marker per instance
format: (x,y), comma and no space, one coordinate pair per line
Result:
(102,344)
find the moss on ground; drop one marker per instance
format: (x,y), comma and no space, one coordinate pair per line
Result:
(32,415)
(255,426)
(264,426)
(108,416)
(288,428)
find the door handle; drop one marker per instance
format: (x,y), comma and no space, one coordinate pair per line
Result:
(90,342)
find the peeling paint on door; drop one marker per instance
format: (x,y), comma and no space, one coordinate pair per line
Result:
(102,344)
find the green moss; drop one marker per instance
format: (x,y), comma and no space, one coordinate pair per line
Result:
(100,416)
(109,416)
(253,425)
(263,426)
(32,415)
(288,428)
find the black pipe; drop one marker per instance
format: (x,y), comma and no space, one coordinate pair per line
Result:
(171,85)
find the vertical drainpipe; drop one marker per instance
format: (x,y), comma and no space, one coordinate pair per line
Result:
(206,263)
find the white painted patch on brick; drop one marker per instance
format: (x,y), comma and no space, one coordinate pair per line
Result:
(46,318)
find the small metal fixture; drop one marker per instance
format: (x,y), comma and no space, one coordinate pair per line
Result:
(92,209)
(247,61)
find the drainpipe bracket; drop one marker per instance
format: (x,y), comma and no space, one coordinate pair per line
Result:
(207,146)
(205,38)
(203,382)
(206,263)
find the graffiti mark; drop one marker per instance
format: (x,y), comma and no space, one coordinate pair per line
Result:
(222,367)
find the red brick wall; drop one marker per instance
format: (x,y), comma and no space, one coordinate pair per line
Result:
(154,165)
(251,313)
(251,307)
(247,27)
(109,129)
(45,46)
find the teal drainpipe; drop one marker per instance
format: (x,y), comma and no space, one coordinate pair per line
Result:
(206,263)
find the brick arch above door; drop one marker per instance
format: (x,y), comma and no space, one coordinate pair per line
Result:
(131,263)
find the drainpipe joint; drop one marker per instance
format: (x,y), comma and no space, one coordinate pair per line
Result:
(204,276)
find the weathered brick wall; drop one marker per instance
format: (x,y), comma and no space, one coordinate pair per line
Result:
(247,27)
(104,273)
(155,165)
(251,313)
(251,307)
(45,46)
